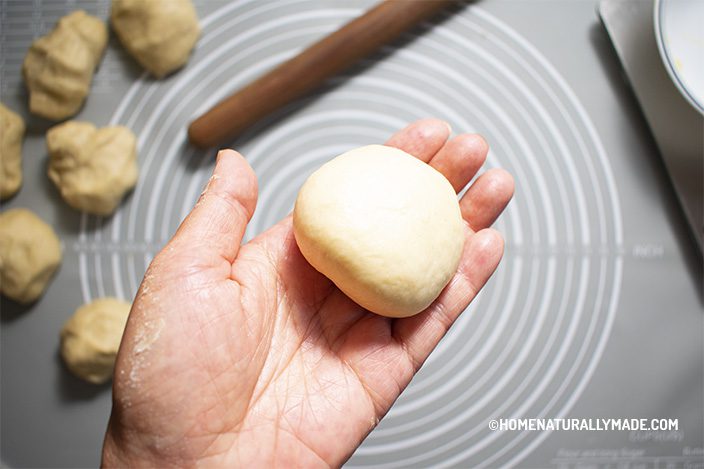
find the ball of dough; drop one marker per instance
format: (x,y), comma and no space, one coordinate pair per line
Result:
(159,34)
(58,68)
(91,337)
(30,252)
(385,227)
(92,168)
(11,135)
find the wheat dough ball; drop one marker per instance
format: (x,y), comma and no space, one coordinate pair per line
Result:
(92,168)
(58,68)
(30,252)
(159,34)
(91,337)
(11,135)
(385,227)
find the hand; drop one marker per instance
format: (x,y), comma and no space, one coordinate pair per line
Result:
(247,356)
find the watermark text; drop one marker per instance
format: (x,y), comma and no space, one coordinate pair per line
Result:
(583,424)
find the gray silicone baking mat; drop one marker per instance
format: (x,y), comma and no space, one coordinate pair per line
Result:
(596,310)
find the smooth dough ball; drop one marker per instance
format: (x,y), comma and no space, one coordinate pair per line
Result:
(385,227)
(159,34)
(92,168)
(58,68)
(30,252)
(91,337)
(11,135)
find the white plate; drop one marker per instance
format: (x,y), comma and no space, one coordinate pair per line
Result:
(679,29)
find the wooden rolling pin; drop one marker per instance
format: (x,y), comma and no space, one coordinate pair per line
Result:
(309,69)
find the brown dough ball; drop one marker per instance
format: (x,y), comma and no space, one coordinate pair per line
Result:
(91,338)
(58,68)
(30,252)
(159,34)
(92,168)
(11,135)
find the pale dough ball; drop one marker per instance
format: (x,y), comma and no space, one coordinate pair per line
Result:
(30,252)
(158,33)
(58,68)
(11,135)
(92,168)
(385,227)
(91,337)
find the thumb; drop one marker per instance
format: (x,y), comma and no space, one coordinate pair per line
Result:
(217,223)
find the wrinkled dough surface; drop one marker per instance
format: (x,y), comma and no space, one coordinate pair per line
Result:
(92,168)
(11,135)
(30,252)
(159,34)
(58,68)
(91,338)
(385,227)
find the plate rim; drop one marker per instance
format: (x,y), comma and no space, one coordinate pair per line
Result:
(667,60)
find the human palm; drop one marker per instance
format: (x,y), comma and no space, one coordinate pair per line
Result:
(246,355)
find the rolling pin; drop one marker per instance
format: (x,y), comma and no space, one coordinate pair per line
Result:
(302,74)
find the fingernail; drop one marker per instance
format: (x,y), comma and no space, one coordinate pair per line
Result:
(449,127)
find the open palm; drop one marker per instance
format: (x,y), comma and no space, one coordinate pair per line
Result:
(245,355)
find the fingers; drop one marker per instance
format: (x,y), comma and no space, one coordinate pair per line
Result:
(422,138)
(217,223)
(420,334)
(486,198)
(460,159)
